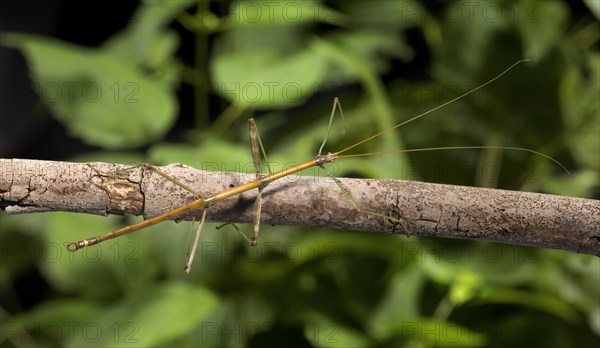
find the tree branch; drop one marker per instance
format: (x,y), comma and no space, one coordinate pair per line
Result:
(521,218)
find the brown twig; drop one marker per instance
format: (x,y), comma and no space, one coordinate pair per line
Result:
(521,218)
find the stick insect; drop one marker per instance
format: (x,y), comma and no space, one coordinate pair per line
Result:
(262,180)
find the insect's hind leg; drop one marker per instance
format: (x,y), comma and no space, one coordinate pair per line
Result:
(257,147)
(348,196)
(170,178)
(145,166)
(188,265)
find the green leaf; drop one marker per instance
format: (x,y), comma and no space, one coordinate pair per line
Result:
(578,184)
(398,304)
(214,155)
(488,262)
(146,37)
(543,24)
(537,300)
(56,321)
(580,109)
(266,12)
(267,77)
(98,271)
(326,333)
(151,316)
(375,47)
(594,6)
(437,333)
(247,316)
(583,294)
(101,98)
(466,23)
(465,287)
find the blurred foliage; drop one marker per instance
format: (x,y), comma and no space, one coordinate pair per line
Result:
(386,60)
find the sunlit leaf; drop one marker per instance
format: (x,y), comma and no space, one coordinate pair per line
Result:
(268,77)
(152,316)
(54,321)
(252,13)
(218,155)
(594,7)
(541,26)
(534,300)
(326,333)
(438,333)
(97,96)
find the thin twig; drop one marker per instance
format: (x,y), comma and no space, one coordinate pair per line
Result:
(520,218)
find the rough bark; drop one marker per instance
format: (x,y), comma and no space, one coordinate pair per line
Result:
(520,218)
